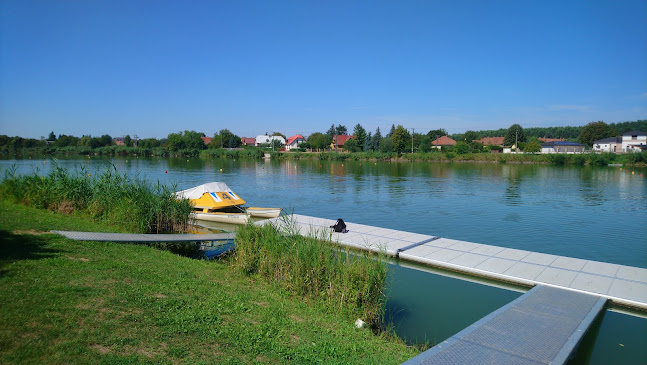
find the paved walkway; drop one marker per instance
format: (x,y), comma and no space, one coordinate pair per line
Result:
(542,326)
(144,238)
(623,285)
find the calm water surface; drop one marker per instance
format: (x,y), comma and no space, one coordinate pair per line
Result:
(593,213)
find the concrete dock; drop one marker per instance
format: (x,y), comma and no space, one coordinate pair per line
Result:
(543,326)
(622,285)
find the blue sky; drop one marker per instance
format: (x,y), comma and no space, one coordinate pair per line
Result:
(150,68)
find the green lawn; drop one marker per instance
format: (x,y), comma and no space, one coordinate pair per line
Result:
(64,301)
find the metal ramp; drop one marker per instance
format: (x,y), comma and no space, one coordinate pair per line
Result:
(542,326)
(144,238)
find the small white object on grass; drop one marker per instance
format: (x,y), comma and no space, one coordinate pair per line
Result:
(359,323)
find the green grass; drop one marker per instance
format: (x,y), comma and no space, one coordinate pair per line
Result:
(64,301)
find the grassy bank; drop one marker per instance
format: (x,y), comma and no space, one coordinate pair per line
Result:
(133,204)
(593,159)
(64,301)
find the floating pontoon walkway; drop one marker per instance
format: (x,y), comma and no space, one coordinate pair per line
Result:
(145,238)
(623,285)
(542,326)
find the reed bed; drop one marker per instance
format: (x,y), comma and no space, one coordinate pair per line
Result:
(353,283)
(131,203)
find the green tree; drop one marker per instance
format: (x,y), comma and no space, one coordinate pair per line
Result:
(105,140)
(434,134)
(319,141)
(341,130)
(424,143)
(230,140)
(594,131)
(331,131)
(51,137)
(401,139)
(514,135)
(532,147)
(461,147)
(360,133)
(376,140)
(128,141)
(390,134)
(351,145)
(64,141)
(470,136)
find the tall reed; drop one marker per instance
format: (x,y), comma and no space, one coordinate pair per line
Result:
(315,268)
(134,204)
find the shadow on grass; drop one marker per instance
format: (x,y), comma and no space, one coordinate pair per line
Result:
(17,247)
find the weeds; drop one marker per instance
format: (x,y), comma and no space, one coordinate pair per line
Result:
(315,268)
(134,204)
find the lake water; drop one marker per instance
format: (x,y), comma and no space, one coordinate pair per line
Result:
(593,213)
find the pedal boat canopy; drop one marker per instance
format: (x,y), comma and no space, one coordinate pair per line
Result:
(213,195)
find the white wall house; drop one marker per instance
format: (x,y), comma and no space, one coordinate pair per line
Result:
(611,144)
(562,147)
(263,139)
(294,142)
(634,141)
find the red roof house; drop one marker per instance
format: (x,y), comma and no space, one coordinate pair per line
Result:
(339,140)
(491,141)
(294,141)
(206,140)
(443,141)
(248,141)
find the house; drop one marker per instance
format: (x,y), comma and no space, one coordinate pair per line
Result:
(633,140)
(491,141)
(294,141)
(548,140)
(562,147)
(119,141)
(206,140)
(265,139)
(248,141)
(442,141)
(339,140)
(611,144)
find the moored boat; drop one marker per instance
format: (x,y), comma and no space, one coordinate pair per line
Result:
(216,202)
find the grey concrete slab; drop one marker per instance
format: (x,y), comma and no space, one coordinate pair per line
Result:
(444,255)
(632,273)
(464,246)
(555,276)
(539,258)
(495,265)
(591,283)
(487,250)
(568,263)
(442,242)
(512,254)
(601,268)
(629,290)
(423,250)
(468,259)
(524,270)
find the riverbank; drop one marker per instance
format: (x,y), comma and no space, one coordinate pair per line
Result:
(590,159)
(69,302)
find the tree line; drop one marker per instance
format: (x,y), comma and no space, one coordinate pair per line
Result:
(398,139)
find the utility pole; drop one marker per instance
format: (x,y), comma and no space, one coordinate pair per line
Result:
(516,136)
(413,132)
